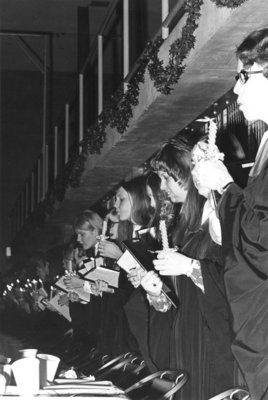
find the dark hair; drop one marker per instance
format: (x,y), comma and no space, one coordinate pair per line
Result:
(174,158)
(154,182)
(91,219)
(141,210)
(254,48)
(68,248)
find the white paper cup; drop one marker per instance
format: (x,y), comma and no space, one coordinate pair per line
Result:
(28,353)
(48,367)
(26,374)
(5,370)
(3,384)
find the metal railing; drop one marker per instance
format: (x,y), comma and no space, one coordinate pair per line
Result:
(61,138)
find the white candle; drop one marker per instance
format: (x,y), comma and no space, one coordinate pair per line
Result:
(51,292)
(164,236)
(70,266)
(104,228)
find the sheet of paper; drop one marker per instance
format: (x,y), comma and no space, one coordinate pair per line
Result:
(127,262)
(104,274)
(89,265)
(83,295)
(62,309)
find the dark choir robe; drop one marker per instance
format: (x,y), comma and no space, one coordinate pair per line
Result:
(85,318)
(244,221)
(201,336)
(116,337)
(151,328)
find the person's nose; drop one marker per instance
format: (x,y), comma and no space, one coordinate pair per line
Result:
(116,205)
(79,239)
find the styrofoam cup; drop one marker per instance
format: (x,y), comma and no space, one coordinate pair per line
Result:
(26,374)
(48,367)
(27,353)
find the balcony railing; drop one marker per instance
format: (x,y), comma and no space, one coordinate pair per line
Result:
(117,39)
(119,36)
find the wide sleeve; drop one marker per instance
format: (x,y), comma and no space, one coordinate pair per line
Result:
(244,222)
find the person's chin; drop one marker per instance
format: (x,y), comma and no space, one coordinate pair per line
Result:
(248,115)
(204,192)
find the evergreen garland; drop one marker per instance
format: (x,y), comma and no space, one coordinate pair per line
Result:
(118,110)
(228,3)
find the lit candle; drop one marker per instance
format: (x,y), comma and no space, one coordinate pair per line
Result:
(51,292)
(34,282)
(104,228)
(70,266)
(41,282)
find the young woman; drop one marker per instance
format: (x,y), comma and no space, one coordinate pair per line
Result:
(201,336)
(87,226)
(136,202)
(244,222)
(132,206)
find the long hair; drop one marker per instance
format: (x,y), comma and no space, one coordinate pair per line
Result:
(141,210)
(89,218)
(254,48)
(174,158)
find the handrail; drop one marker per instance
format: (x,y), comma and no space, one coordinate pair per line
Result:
(178,6)
(39,176)
(92,54)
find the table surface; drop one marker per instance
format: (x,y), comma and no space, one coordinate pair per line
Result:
(99,390)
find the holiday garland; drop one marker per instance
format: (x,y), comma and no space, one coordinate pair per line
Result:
(228,3)
(119,109)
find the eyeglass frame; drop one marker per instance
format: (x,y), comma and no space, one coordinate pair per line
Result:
(245,74)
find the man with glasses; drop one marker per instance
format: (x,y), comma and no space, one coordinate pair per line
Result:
(244,222)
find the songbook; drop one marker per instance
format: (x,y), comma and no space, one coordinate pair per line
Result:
(89,264)
(144,256)
(94,272)
(42,294)
(61,309)
(83,295)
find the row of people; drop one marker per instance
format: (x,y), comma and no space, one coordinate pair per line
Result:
(214,262)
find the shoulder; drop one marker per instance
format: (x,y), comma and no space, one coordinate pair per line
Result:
(256,192)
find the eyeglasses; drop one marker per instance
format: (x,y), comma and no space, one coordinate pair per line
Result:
(244,75)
